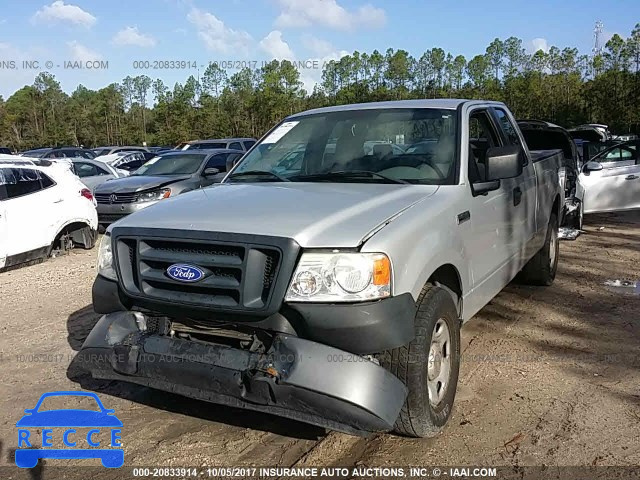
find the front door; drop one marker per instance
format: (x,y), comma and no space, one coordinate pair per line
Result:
(616,186)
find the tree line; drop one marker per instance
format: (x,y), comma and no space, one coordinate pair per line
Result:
(561,86)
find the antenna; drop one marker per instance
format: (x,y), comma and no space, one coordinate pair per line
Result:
(597,34)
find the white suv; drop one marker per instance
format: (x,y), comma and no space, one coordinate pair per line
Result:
(42,208)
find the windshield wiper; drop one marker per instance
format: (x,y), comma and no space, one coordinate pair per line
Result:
(259,173)
(349,174)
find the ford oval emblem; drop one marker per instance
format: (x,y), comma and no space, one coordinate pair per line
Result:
(185,273)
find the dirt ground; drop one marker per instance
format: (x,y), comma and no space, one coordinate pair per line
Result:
(549,376)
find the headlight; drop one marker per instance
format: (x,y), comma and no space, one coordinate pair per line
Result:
(105,259)
(154,195)
(340,277)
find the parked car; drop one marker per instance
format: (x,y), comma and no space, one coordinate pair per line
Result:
(115,149)
(36,152)
(5,151)
(610,181)
(159,149)
(59,153)
(541,135)
(68,152)
(94,172)
(332,292)
(593,132)
(162,177)
(42,208)
(129,161)
(242,144)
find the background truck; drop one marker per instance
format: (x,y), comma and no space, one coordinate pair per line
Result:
(330,286)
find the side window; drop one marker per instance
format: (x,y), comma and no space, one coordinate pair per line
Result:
(45,181)
(482,136)
(22,181)
(218,161)
(620,154)
(85,169)
(235,146)
(507,127)
(5,177)
(248,144)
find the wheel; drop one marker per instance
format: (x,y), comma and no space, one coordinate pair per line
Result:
(428,365)
(541,269)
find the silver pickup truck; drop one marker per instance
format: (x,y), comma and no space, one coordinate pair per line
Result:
(327,277)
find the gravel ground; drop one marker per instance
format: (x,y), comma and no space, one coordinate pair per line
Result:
(550,376)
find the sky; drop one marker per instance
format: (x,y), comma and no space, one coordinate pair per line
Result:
(118,37)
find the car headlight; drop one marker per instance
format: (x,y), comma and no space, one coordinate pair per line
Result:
(105,259)
(340,277)
(154,195)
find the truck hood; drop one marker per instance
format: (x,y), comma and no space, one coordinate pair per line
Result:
(313,214)
(138,183)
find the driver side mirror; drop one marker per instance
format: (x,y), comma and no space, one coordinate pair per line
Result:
(592,167)
(501,163)
(209,172)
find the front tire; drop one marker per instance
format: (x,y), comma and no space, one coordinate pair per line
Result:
(428,365)
(541,269)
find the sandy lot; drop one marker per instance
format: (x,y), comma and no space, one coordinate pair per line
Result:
(550,376)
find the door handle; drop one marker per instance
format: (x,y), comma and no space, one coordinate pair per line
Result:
(517,196)
(59,200)
(631,177)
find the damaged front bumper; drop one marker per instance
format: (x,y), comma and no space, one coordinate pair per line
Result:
(294,378)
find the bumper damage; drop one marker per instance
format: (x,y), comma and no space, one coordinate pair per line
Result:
(293,378)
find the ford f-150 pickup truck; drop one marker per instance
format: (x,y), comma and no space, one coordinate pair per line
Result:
(325,281)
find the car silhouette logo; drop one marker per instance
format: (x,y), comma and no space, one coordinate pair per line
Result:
(112,198)
(185,273)
(27,455)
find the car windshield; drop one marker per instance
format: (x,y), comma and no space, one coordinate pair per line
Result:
(182,164)
(375,145)
(208,145)
(34,153)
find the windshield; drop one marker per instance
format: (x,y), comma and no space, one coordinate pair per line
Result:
(185,164)
(404,145)
(205,146)
(34,153)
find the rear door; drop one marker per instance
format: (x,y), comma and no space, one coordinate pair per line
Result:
(30,210)
(617,185)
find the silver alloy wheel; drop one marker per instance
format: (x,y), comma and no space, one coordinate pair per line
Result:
(439,364)
(552,248)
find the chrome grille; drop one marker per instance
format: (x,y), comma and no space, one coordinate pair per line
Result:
(113,198)
(238,276)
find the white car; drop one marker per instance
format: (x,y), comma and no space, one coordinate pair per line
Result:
(94,172)
(610,181)
(42,208)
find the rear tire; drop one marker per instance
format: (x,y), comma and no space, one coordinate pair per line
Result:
(541,269)
(428,365)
